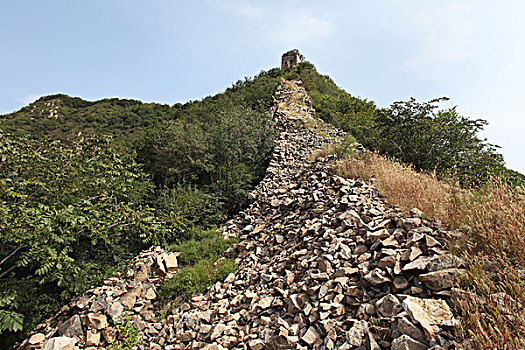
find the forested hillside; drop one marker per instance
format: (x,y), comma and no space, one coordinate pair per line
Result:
(63,117)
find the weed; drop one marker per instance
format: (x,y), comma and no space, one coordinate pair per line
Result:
(127,335)
(346,148)
(196,278)
(203,264)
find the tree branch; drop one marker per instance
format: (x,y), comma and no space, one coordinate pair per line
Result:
(12,253)
(7,271)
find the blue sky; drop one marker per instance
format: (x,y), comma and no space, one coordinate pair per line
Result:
(168,51)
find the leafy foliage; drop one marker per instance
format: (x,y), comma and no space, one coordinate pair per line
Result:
(192,203)
(196,278)
(69,215)
(127,334)
(9,320)
(420,134)
(207,244)
(73,211)
(417,133)
(217,150)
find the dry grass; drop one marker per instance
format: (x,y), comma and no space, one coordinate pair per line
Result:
(322,153)
(493,222)
(347,147)
(402,185)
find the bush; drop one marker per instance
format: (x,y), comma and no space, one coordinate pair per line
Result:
(223,156)
(204,244)
(192,204)
(196,278)
(203,264)
(69,217)
(127,335)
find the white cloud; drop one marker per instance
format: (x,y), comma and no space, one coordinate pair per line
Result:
(243,9)
(250,11)
(297,27)
(447,32)
(281,23)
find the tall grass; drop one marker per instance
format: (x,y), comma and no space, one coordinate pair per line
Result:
(492,220)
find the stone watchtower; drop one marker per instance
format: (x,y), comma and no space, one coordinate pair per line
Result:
(291,59)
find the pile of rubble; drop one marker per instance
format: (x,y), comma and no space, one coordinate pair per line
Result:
(324,263)
(88,322)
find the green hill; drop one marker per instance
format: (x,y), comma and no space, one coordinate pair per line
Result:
(63,117)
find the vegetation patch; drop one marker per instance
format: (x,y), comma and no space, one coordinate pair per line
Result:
(417,133)
(203,264)
(346,148)
(76,207)
(70,215)
(127,335)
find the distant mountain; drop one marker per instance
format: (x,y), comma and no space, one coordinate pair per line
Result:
(61,116)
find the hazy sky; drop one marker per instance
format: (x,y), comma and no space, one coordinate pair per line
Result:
(168,51)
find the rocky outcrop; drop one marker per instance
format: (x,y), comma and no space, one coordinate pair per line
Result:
(324,263)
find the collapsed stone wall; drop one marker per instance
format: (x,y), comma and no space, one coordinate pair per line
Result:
(324,263)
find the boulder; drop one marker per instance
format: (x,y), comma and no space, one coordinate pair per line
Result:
(428,312)
(404,342)
(71,328)
(60,343)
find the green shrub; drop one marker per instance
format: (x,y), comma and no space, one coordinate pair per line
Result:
(203,245)
(346,148)
(196,278)
(68,217)
(203,264)
(191,203)
(127,334)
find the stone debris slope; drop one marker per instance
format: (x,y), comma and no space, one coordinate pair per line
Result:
(89,322)
(324,263)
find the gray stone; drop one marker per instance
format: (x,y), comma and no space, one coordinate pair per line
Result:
(311,336)
(404,342)
(356,335)
(71,328)
(376,277)
(115,311)
(37,338)
(442,279)
(256,344)
(388,306)
(428,312)
(97,321)
(408,224)
(404,326)
(60,343)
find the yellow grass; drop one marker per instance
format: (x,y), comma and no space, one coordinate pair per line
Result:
(402,185)
(493,222)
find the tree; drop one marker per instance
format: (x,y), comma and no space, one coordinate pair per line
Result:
(68,215)
(432,139)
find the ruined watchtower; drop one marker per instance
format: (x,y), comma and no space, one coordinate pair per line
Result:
(291,59)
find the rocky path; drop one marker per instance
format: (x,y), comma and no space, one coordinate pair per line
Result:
(324,263)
